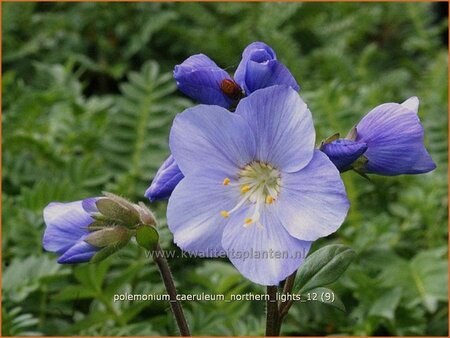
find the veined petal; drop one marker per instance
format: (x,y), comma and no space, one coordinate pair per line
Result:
(312,202)
(266,74)
(80,252)
(200,78)
(193,213)
(89,205)
(66,223)
(344,152)
(166,179)
(264,254)
(282,125)
(394,136)
(206,138)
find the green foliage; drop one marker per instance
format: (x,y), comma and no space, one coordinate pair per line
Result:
(323,267)
(85,109)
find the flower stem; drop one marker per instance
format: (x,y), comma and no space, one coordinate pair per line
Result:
(272,317)
(285,306)
(175,305)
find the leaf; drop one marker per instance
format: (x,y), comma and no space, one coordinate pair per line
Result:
(323,267)
(386,305)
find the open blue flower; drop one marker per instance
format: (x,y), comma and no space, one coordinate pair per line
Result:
(200,78)
(254,186)
(66,231)
(393,138)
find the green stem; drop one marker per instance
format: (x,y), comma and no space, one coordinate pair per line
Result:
(175,305)
(272,312)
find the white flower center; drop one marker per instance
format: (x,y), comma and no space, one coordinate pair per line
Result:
(259,184)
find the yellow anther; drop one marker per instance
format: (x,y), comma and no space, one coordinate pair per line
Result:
(248,221)
(245,188)
(269,199)
(224,214)
(226,181)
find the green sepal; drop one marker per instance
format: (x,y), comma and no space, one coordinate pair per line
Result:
(109,236)
(352,134)
(147,217)
(106,252)
(329,139)
(113,211)
(147,237)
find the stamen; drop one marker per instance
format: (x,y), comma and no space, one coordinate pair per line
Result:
(269,199)
(225,214)
(245,188)
(248,221)
(226,181)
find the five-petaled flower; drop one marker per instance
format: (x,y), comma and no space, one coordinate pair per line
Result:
(387,141)
(200,78)
(254,185)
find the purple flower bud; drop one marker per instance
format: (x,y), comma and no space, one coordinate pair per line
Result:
(67,227)
(259,68)
(201,79)
(344,152)
(165,181)
(394,137)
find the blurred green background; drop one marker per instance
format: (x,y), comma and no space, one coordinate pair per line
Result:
(88,98)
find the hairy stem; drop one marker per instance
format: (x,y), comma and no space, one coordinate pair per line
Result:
(272,312)
(175,305)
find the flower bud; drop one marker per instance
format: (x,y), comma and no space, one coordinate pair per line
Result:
(259,68)
(165,181)
(395,139)
(200,78)
(343,153)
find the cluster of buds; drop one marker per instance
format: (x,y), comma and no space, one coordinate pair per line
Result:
(95,228)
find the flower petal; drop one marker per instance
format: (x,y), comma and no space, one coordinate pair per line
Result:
(394,136)
(412,104)
(207,138)
(78,253)
(193,213)
(312,202)
(66,224)
(89,205)
(166,179)
(266,74)
(200,78)
(266,255)
(344,152)
(283,127)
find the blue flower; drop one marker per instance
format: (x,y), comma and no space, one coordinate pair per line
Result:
(259,68)
(200,78)
(254,186)
(393,136)
(166,179)
(66,231)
